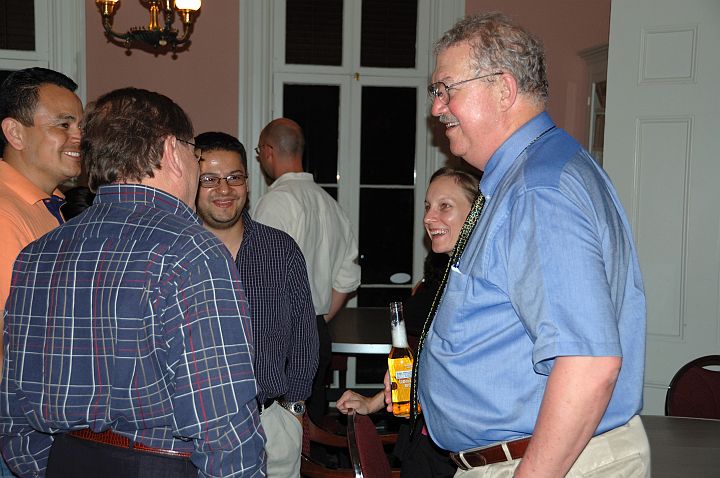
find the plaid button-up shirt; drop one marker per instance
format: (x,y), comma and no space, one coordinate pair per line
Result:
(131,317)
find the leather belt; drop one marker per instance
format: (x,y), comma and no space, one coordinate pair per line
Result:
(266,404)
(108,437)
(490,454)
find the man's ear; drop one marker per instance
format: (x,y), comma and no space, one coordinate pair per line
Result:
(14,133)
(171,160)
(270,161)
(508,90)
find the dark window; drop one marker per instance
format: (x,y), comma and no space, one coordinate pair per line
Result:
(381,296)
(387,147)
(386,231)
(313,32)
(388,33)
(316,108)
(17,25)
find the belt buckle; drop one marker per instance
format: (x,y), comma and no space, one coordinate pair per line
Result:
(459,459)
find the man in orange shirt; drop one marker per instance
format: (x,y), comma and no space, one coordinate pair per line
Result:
(40,142)
(40,116)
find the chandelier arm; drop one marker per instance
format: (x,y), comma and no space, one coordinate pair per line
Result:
(107,25)
(169,19)
(185,37)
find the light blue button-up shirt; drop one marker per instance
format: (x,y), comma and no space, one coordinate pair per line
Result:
(550,270)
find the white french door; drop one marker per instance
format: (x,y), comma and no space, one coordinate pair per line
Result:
(363,106)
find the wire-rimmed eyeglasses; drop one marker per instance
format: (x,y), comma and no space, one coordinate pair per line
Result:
(196,151)
(236,179)
(441,91)
(259,147)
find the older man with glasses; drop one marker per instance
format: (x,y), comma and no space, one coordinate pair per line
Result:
(272,269)
(531,361)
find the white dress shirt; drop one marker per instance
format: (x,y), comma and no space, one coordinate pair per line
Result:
(298,206)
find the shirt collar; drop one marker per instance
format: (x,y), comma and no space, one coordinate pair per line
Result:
(138,193)
(290,177)
(510,150)
(248,224)
(22,186)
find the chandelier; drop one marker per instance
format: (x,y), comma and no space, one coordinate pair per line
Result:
(152,35)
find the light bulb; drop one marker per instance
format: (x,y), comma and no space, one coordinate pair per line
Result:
(193,5)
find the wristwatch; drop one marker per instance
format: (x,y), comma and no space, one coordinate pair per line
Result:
(296,408)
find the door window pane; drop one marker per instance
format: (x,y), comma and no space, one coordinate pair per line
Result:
(313,32)
(388,33)
(17,25)
(387,142)
(381,296)
(332,191)
(316,108)
(386,231)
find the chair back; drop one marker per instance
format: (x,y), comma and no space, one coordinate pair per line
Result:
(366,449)
(309,468)
(695,390)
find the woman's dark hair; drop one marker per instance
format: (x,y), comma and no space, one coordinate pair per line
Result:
(467,182)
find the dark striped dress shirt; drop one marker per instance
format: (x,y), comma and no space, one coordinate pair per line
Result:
(131,317)
(274,276)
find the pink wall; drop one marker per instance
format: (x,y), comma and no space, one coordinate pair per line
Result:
(202,80)
(566,27)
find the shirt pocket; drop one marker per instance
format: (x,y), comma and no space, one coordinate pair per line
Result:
(448,323)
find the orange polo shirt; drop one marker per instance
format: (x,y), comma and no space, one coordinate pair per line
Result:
(23,218)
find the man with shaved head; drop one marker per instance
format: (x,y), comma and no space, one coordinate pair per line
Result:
(297,205)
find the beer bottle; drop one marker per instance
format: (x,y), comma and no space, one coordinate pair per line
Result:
(400,362)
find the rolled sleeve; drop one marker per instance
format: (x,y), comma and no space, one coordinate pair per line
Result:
(564,259)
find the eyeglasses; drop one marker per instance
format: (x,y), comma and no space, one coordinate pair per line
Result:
(441,91)
(196,151)
(231,180)
(258,148)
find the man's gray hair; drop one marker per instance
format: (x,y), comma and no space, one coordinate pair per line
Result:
(499,44)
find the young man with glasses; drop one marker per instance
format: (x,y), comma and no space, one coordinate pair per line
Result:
(274,276)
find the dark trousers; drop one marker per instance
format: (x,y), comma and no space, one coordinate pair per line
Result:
(74,457)
(420,456)
(317,403)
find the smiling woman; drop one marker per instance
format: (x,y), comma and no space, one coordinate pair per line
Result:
(449,197)
(448,201)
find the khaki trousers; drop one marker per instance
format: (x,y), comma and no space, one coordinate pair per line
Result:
(623,452)
(284,442)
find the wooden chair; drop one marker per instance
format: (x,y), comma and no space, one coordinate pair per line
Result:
(695,390)
(367,453)
(313,433)
(311,468)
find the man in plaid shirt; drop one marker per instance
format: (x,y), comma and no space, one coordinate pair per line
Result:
(128,344)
